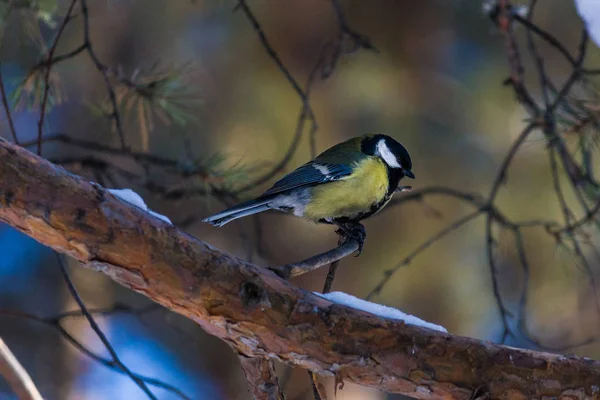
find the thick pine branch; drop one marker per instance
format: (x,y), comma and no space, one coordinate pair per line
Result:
(259,314)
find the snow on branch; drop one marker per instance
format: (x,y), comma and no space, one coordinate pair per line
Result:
(378,309)
(589,10)
(135,199)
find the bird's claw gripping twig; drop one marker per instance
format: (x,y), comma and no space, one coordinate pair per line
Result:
(353,232)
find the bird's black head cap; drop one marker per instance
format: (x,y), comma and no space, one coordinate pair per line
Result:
(390,151)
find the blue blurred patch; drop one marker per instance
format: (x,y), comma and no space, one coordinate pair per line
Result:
(20,259)
(143,355)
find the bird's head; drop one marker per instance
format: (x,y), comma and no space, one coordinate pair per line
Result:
(393,154)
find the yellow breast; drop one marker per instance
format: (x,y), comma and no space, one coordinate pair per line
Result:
(352,195)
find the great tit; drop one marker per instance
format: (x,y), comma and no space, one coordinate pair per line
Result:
(343,185)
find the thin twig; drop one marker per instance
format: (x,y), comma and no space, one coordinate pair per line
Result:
(6,106)
(98,330)
(69,55)
(306,111)
(104,71)
(499,180)
(270,50)
(212,184)
(333,268)
(550,39)
(317,388)
(310,264)
(476,200)
(330,276)
(356,37)
(537,57)
(16,376)
(567,214)
(44,101)
(577,70)
(589,216)
(55,323)
(517,71)
(422,247)
(522,316)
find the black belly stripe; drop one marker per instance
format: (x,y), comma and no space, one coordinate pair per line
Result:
(359,217)
(394,176)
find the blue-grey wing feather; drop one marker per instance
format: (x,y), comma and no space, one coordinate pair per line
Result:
(309,174)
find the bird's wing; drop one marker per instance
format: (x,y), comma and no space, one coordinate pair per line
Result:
(312,173)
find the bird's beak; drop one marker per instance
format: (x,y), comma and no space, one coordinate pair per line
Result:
(409,173)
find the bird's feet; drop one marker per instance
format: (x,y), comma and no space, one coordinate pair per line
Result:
(353,232)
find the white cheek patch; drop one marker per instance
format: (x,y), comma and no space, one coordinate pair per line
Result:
(322,169)
(387,155)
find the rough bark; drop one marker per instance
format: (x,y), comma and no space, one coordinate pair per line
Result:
(261,315)
(261,376)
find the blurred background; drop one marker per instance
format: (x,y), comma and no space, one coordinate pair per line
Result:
(435,85)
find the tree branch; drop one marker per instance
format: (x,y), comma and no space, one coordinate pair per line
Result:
(259,314)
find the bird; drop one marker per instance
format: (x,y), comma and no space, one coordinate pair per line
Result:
(345,184)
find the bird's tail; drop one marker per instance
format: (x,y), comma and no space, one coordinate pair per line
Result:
(241,210)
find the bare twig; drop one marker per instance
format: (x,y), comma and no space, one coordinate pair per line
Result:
(330,276)
(306,111)
(590,216)
(498,181)
(6,106)
(48,65)
(424,246)
(270,50)
(330,49)
(310,264)
(517,71)
(104,71)
(317,387)
(550,39)
(55,322)
(567,215)
(547,120)
(213,184)
(537,57)
(69,55)
(98,330)
(333,267)
(345,28)
(16,376)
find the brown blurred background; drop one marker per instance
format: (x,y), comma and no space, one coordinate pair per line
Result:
(435,85)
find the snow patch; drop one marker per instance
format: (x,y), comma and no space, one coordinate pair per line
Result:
(378,309)
(135,199)
(589,10)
